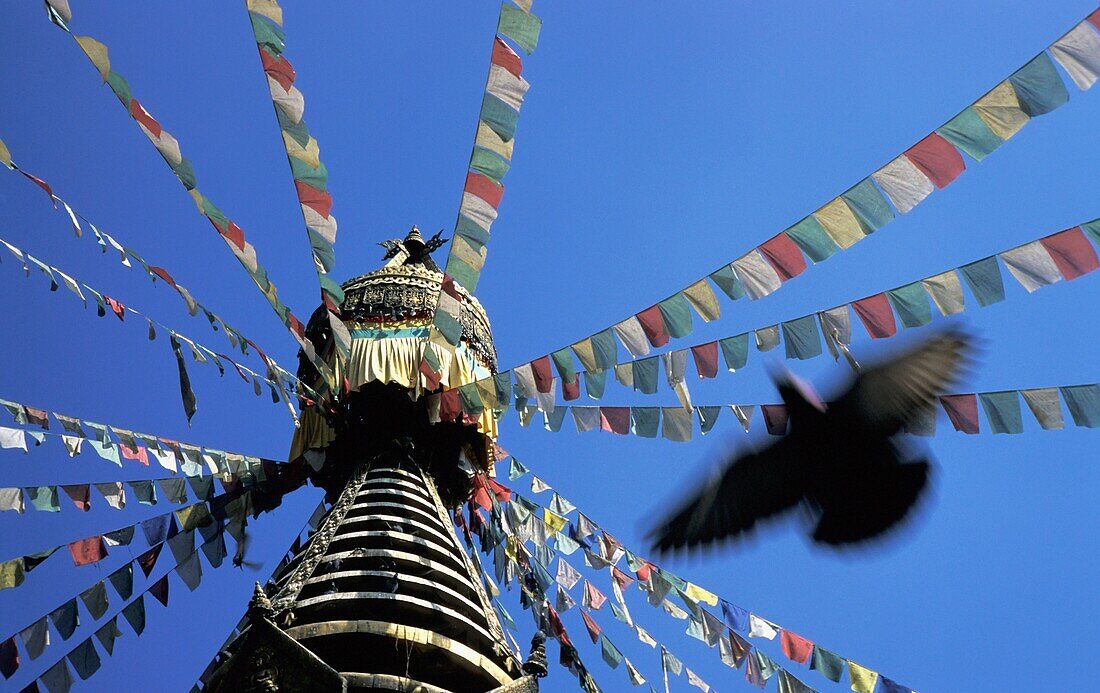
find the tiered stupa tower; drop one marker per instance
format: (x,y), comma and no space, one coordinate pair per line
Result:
(382,597)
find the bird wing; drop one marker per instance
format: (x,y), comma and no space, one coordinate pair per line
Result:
(752,487)
(886,397)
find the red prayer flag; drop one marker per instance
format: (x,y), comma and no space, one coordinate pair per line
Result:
(796,647)
(615,420)
(645,571)
(876,315)
(937,159)
(621,579)
(278,68)
(571,391)
(502,492)
(1072,252)
(963,412)
(481,493)
(1094,19)
(544,379)
(160,589)
(450,407)
(654,326)
(784,256)
(775,418)
(706,359)
(138,113)
(89,550)
(431,378)
(485,188)
(234,234)
(317,200)
(118,308)
(163,274)
(507,58)
(42,184)
(592,626)
(78,494)
(137,453)
(558,628)
(149,559)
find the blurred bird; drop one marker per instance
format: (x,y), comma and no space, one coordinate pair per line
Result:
(840,462)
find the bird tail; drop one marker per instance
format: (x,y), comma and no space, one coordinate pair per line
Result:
(872,502)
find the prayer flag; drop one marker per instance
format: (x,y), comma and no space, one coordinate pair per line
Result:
(1002,411)
(969,132)
(1032,265)
(863,679)
(911,304)
(875,314)
(1079,53)
(840,223)
(796,647)
(984,279)
(1083,402)
(812,239)
(946,292)
(1071,252)
(1044,404)
(757,276)
(1038,86)
(963,412)
(801,339)
(784,256)
(937,159)
(868,205)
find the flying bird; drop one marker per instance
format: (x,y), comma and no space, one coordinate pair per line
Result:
(841,462)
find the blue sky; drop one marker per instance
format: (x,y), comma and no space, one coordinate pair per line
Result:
(656,142)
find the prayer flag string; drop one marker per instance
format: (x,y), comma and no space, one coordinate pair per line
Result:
(932,163)
(169,149)
(1066,254)
(200,353)
(154,272)
(490,159)
(303,154)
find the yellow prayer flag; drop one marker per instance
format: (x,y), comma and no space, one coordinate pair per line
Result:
(553,520)
(97,53)
(267,8)
(11,573)
(585,353)
(840,223)
(1000,110)
(5,155)
(863,679)
(310,154)
(702,299)
(701,595)
(490,140)
(487,391)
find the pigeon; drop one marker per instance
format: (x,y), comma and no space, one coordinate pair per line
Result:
(840,462)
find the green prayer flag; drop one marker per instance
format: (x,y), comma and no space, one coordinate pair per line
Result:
(645,374)
(1002,409)
(563,361)
(462,273)
(611,654)
(726,280)
(830,665)
(313,177)
(1084,404)
(968,132)
(810,236)
(984,279)
(594,383)
(604,348)
(644,421)
(554,418)
(911,303)
(801,339)
(298,132)
(708,416)
(120,87)
(472,232)
(489,164)
(869,205)
(502,382)
(499,116)
(471,400)
(185,172)
(676,313)
(44,498)
(1038,86)
(1092,228)
(268,34)
(522,27)
(735,350)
